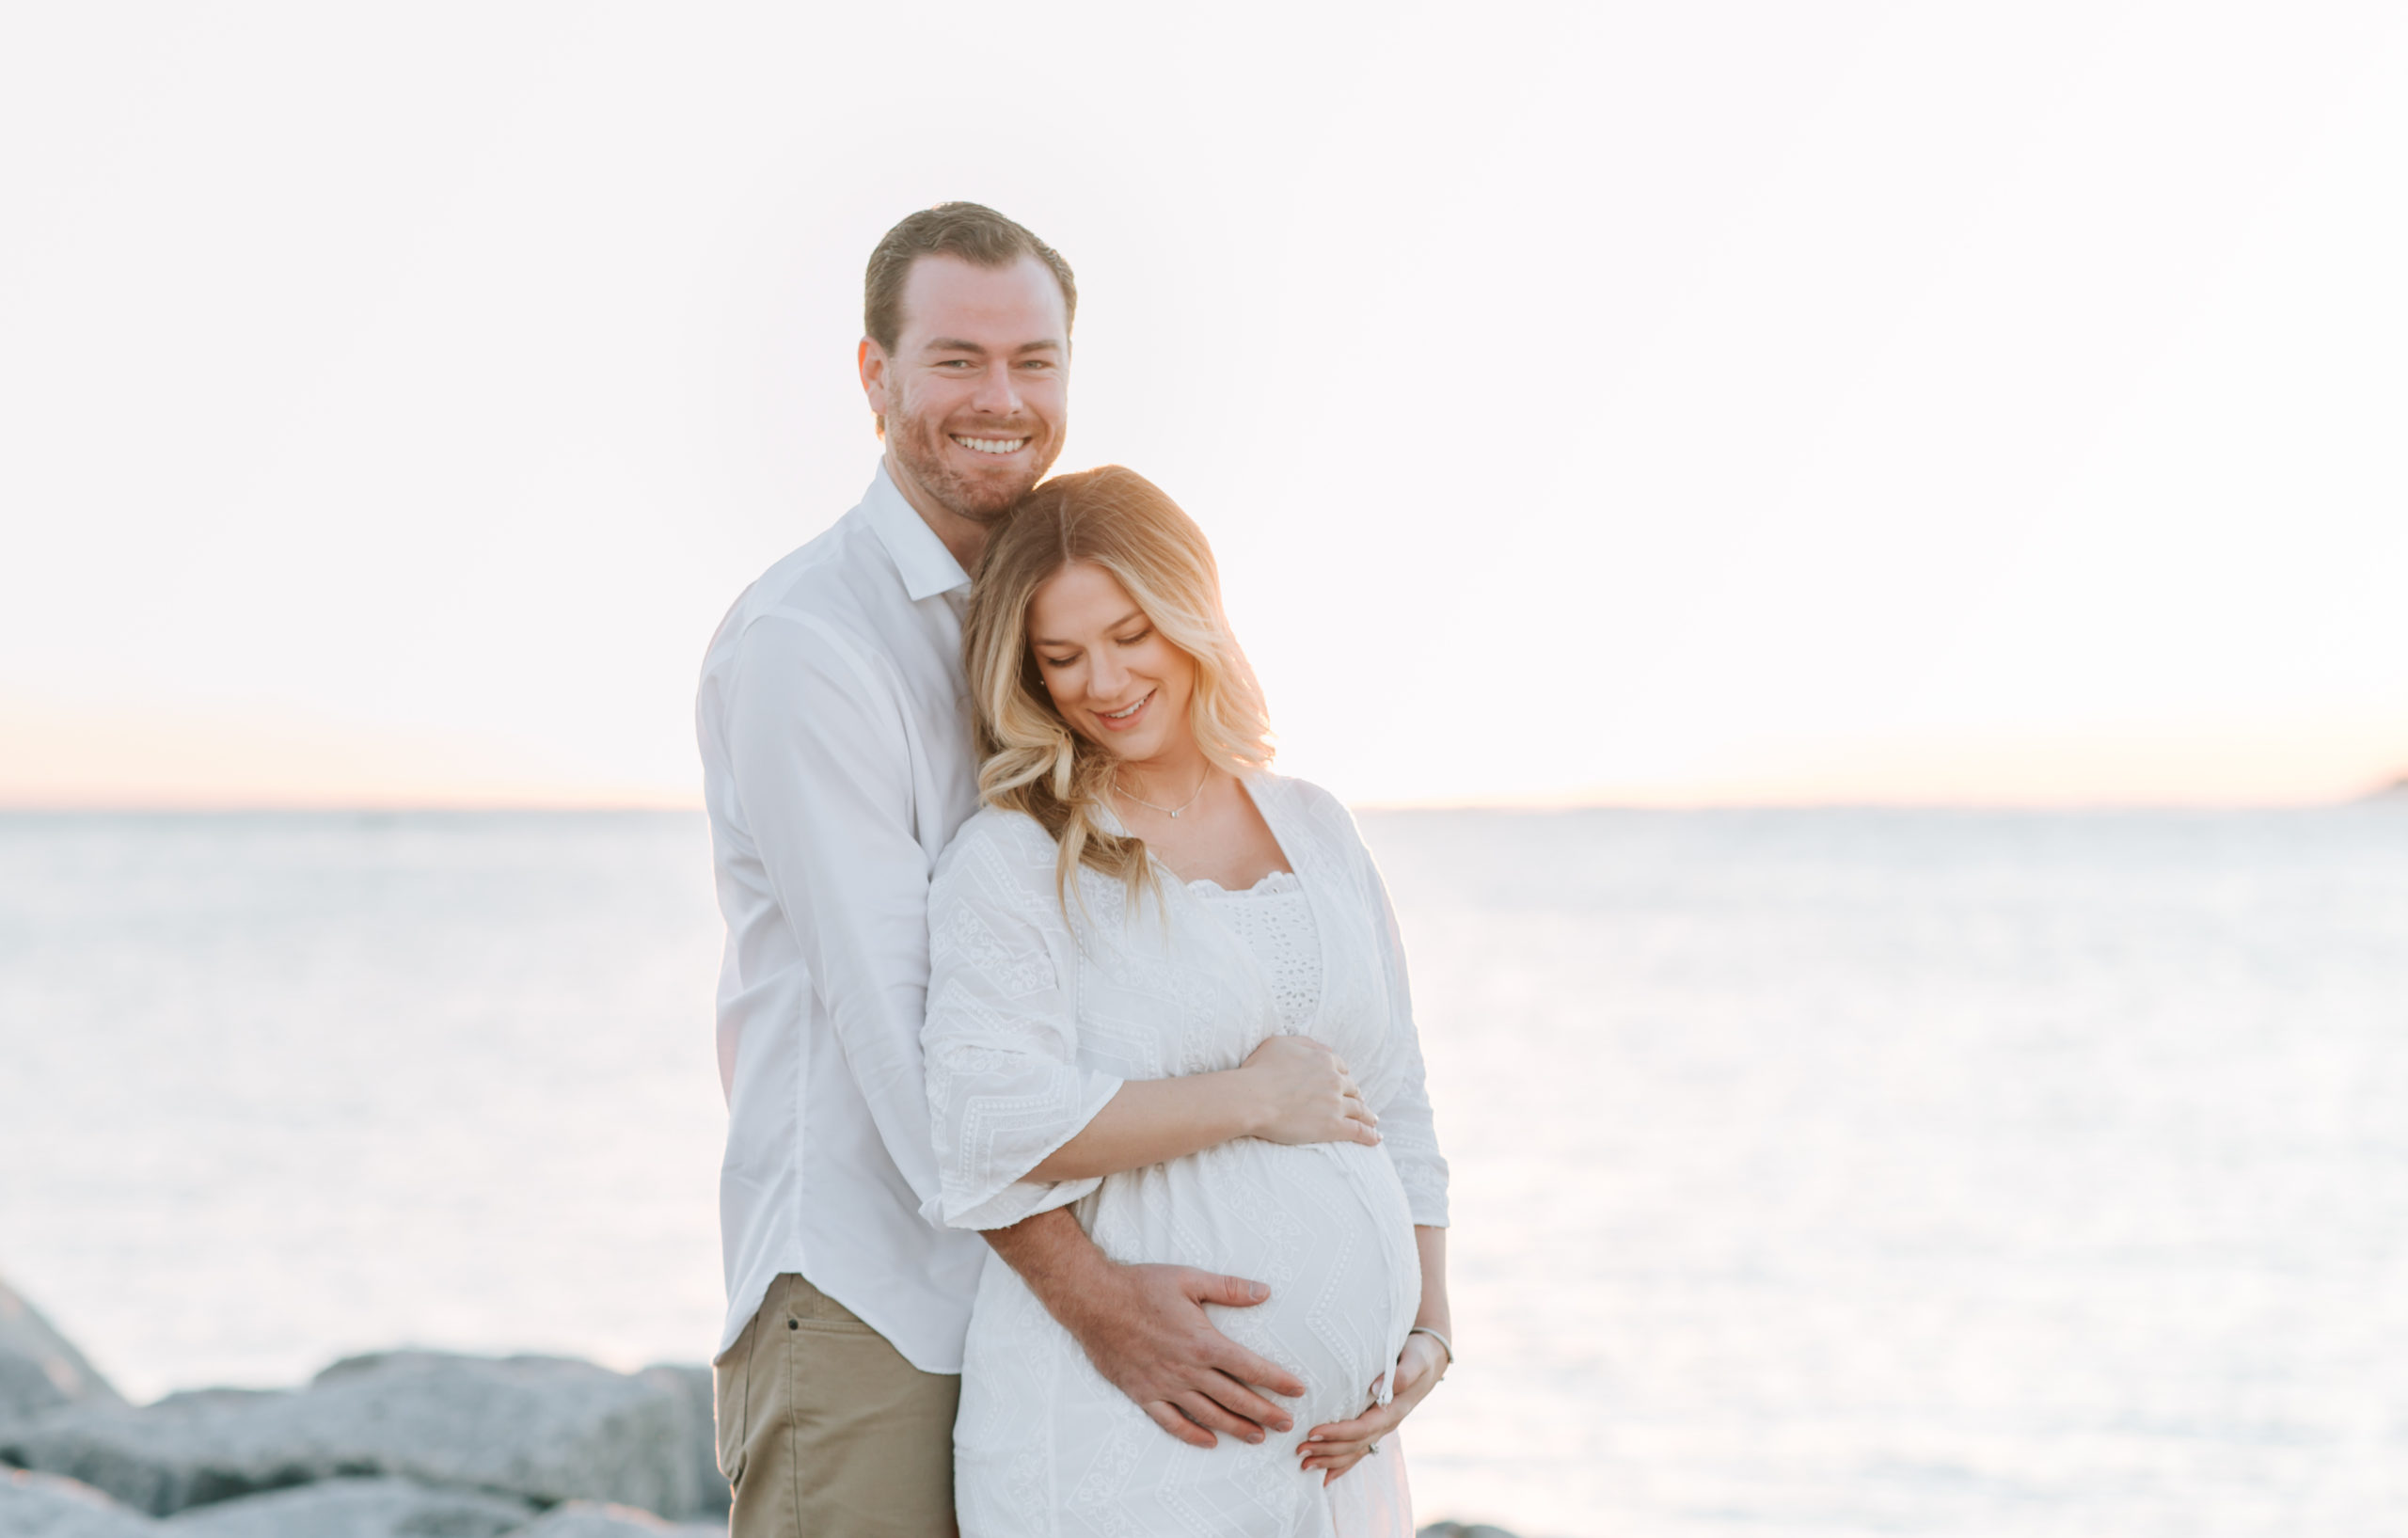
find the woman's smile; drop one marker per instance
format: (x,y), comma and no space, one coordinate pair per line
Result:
(1126,717)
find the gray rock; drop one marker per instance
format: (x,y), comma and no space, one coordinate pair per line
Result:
(39,1371)
(701,1433)
(354,1507)
(539,1427)
(46,1506)
(591,1519)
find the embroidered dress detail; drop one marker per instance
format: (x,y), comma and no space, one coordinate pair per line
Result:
(1276,920)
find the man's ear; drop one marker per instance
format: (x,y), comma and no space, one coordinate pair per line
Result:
(871,359)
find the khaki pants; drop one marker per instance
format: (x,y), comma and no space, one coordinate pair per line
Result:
(826,1431)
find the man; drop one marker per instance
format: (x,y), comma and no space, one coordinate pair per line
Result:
(838,760)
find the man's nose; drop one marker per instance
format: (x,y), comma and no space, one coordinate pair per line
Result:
(998,392)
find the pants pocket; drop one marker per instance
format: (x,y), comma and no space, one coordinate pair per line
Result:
(809,1308)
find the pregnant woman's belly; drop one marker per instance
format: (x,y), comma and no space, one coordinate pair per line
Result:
(1324,1225)
(1043,1438)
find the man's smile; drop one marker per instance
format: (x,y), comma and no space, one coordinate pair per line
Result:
(991,446)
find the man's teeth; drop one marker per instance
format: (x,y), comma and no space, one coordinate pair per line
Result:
(1124,715)
(991,446)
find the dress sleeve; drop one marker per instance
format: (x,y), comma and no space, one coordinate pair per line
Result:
(1407,1130)
(999,1040)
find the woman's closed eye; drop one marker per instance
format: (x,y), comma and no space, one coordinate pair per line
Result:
(1132,639)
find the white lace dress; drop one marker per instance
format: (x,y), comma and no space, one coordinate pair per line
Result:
(1035,1019)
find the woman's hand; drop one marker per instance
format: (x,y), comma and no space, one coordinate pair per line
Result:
(1340,1445)
(1289,1089)
(1302,1093)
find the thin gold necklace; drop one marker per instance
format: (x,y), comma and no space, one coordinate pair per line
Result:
(1172,812)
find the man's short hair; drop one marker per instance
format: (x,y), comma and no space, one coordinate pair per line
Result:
(971,231)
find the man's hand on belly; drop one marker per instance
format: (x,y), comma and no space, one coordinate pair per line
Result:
(1145,1328)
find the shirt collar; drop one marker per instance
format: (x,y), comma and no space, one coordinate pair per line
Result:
(927,567)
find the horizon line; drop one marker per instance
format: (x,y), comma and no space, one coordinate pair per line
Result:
(1536,805)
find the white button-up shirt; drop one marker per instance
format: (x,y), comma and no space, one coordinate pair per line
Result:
(837,761)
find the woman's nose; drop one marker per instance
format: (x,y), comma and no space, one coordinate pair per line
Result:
(1106,678)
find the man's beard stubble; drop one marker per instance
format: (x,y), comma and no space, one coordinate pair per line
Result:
(919,444)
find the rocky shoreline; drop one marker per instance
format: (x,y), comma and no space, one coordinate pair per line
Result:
(419,1443)
(415,1442)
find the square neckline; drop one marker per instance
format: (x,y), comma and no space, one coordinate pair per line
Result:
(1113,824)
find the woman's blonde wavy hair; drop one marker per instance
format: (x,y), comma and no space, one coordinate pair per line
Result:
(1032,760)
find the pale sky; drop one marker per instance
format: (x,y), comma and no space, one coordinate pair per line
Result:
(1649,403)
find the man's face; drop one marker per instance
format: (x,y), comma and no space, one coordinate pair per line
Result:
(977,392)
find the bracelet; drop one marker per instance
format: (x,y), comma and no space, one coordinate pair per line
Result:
(1424,1329)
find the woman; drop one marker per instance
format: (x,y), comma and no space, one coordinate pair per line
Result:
(1136,924)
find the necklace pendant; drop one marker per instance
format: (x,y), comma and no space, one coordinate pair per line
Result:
(1174,816)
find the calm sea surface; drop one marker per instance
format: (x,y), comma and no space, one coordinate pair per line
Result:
(1815,1173)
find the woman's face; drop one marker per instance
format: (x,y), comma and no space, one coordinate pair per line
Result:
(1113,677)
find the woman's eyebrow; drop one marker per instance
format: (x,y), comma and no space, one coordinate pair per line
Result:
(1047,640)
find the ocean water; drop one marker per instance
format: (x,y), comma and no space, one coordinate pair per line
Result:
(1815,1172)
